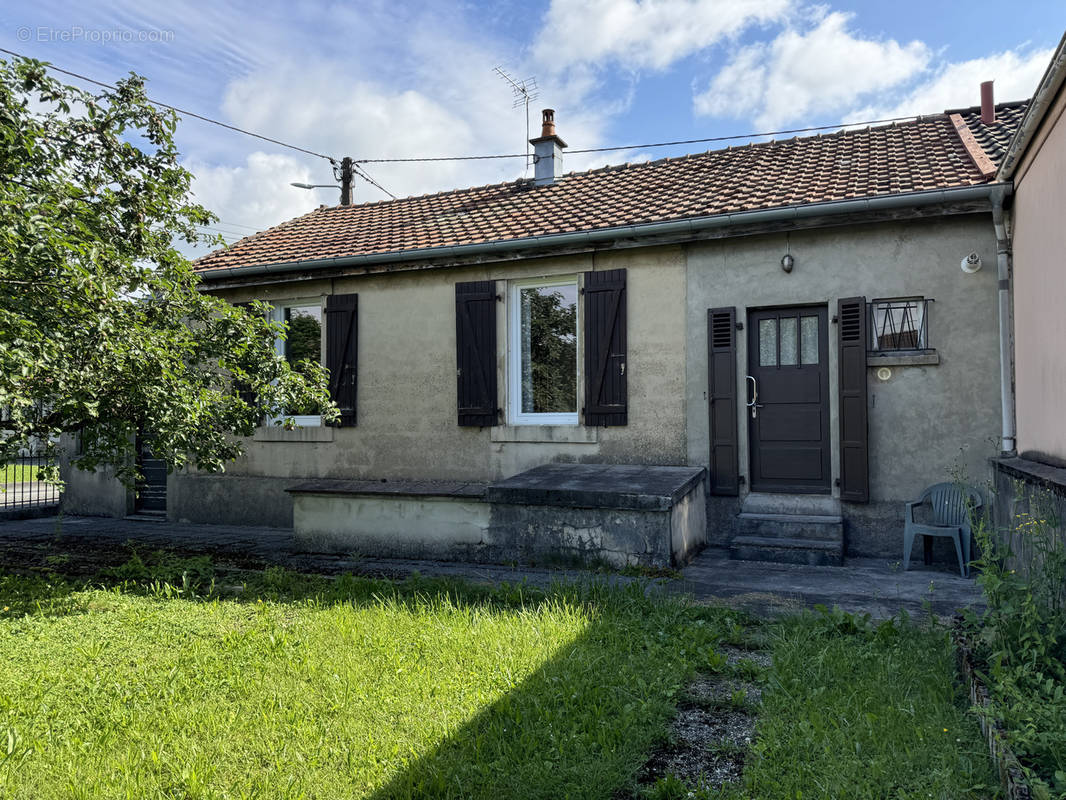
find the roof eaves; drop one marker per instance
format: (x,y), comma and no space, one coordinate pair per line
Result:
(682,227)
(1043,97)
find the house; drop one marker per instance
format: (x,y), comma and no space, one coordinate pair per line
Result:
(771,347)
(1034,165)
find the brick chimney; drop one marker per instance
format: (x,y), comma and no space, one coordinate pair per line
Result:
(988,104)
(547,152)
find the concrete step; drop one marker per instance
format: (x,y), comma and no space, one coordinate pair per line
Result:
(805,504)
(823,527)
(813,552)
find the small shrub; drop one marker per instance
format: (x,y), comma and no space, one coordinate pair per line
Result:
(1021,637)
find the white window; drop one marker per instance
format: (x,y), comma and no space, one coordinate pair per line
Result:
(304,341)
(542,364)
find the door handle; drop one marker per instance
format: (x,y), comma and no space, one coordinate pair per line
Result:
(754,404)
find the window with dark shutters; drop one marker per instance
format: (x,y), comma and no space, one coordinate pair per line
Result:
(722,397)
(854,442)
(342,351)
(606,396)
(475,345)
(243,390)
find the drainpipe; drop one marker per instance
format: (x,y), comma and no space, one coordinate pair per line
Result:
(1006,384)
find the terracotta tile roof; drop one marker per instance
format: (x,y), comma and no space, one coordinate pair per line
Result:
(994,138)
(913,156)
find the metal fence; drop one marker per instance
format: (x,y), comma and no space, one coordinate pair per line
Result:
(21,486)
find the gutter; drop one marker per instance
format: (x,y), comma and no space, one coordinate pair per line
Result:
(984,191)
(1006,353)
(1044,96)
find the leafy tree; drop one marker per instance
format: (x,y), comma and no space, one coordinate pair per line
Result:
(553,352)
(103,331)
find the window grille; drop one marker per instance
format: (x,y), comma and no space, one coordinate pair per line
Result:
(899,324)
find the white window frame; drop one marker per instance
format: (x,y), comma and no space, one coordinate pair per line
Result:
(277,314)
(515,414)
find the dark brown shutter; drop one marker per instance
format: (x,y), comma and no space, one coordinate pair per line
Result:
(342,353)
(475,349)
(722,396)
(243,390)
(606,397)
(854,443)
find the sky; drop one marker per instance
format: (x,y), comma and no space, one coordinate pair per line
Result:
(381,79)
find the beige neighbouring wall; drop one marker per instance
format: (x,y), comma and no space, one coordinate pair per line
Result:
(1040,289)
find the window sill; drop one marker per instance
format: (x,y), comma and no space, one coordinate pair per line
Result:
(910,358)
(274,433)
(549,434)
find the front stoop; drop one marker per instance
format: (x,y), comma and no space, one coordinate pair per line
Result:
(813,539)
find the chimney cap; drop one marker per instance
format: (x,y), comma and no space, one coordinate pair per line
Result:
(547,128)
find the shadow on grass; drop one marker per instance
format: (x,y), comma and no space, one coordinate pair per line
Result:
(581,725)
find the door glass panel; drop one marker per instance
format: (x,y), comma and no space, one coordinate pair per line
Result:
(809,339)
(788,341)
(768,343)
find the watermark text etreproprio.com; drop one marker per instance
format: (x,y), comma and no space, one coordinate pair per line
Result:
(76,33)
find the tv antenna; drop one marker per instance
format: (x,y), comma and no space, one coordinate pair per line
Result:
(523,91)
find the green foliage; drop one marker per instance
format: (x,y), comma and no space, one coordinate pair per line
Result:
(1021,637)
(553,351)
(304,687)
(103,331)
(856,709)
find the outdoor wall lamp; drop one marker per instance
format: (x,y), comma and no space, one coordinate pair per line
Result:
(787,262)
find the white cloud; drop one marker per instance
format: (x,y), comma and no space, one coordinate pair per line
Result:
(1016,74)
(254,195)
(801,73)
(652,33)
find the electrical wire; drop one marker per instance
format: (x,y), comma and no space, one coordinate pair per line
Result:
(616,148)
(161,104)
(202,118)
(362,173)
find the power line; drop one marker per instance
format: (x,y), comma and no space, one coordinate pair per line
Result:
(176,109)
(362,173)
(615,148)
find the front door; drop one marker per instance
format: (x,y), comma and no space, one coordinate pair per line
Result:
(788,400)
(151,487)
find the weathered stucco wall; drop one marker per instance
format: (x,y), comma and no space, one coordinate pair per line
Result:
(406,421)
(1040,290)
(924,421)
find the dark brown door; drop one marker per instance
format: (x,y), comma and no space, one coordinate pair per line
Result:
(788,399)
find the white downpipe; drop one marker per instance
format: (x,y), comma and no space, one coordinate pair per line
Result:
(1006,384)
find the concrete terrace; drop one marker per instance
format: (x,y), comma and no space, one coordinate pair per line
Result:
(84,545)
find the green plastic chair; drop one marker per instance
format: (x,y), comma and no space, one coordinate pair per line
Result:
(951,504)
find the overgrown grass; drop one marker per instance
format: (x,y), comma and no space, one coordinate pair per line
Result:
(1020,639)
(853,709)
(170,685)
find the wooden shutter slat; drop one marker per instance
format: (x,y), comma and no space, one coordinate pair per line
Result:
(475,345)
(722,397)
(854,436)
(342,354)
(606,381)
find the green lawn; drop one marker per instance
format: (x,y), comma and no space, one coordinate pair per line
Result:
(312,689)
(302,687)
(863,711)
(17,473)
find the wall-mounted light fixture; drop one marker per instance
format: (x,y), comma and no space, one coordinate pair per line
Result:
(787,261)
